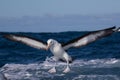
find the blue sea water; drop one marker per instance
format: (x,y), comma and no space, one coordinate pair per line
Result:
(99,60)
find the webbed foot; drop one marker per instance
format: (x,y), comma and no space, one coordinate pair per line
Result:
(66,70)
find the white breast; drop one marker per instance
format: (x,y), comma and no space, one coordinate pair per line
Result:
(57,50)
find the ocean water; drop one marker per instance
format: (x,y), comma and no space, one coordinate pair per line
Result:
(99,60)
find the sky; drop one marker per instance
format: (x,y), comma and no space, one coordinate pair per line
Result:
(58,15)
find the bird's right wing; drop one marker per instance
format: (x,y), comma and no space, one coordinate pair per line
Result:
(89,38)
(28,41)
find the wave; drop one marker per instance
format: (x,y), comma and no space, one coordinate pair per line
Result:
(80,69)
(96,77)
(111,62)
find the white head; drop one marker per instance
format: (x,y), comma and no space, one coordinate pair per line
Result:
(51,42)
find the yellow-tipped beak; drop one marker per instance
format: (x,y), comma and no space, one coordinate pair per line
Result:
(48,46)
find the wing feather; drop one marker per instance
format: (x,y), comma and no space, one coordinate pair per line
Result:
(88,38)
(28,41)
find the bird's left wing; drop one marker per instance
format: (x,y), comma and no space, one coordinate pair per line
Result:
(88,38)
(28,41)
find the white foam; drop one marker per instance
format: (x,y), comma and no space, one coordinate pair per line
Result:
(36,71)
(96,77)
(97,63)
(84,63)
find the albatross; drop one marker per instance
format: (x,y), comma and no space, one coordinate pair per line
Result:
(58,49)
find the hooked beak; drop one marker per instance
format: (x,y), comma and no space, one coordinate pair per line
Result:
(48,46)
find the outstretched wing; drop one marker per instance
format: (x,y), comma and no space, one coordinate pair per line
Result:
(28,41)
(88,38)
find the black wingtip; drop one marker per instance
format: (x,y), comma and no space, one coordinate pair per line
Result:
(111,28)
(114,26)
(9,36)
(116,29)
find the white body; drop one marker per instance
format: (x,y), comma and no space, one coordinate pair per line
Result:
(58,51)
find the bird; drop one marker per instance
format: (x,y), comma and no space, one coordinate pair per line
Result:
(58,49)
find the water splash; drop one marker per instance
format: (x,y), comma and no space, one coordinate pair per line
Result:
(36,71)
(96,77)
